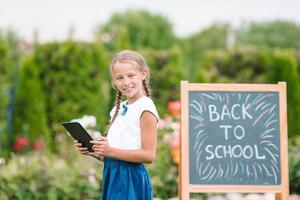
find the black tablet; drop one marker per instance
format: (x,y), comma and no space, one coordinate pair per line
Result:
(79,134)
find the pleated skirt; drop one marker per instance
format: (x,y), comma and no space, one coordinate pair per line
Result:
(124,180)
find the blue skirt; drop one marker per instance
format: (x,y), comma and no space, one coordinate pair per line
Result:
(124,180)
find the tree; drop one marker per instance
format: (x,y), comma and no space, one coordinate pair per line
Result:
(3,91)
(284,68)
(10,56)
(279,33)
(195,46)
(30,112)
(139,29)
(74,78)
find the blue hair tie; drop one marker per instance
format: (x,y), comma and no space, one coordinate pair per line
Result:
(125,108)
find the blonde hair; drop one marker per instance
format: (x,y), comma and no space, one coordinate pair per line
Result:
(137,60)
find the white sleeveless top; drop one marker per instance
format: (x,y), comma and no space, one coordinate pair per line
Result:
(125,131)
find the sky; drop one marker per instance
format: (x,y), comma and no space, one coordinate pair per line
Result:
(53,19)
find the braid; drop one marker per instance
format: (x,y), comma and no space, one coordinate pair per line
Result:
(117,105)
(146,88)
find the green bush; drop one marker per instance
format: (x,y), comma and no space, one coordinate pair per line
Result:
(74,79)
(294,166)
(244,65)
(38,175)
(69,175)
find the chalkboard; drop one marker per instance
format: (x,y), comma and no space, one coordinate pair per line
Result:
(234,138)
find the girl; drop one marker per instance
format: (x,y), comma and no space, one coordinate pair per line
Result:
(131,134)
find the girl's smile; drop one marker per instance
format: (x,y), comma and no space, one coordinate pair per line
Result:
(129,91)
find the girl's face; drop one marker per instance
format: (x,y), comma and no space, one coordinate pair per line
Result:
(128,79)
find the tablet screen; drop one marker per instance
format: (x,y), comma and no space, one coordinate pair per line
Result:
(79,133)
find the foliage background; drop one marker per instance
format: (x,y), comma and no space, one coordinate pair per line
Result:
(43,84)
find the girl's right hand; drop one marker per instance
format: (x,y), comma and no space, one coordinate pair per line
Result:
(82,150)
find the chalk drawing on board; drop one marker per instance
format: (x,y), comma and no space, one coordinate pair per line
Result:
(234,138)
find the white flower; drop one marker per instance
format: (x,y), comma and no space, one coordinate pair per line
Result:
(93,180)
(87,121)
(2,161)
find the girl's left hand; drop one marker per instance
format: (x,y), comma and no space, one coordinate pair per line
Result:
(101,146)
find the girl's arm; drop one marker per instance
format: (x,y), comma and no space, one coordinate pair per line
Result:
(146,153)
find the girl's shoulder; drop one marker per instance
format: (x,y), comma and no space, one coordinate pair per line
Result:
(143,103)
(147,104)
(145,99)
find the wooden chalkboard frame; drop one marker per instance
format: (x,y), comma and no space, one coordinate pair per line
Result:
(185,188)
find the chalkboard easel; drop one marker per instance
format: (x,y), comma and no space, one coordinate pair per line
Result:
(233,139)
